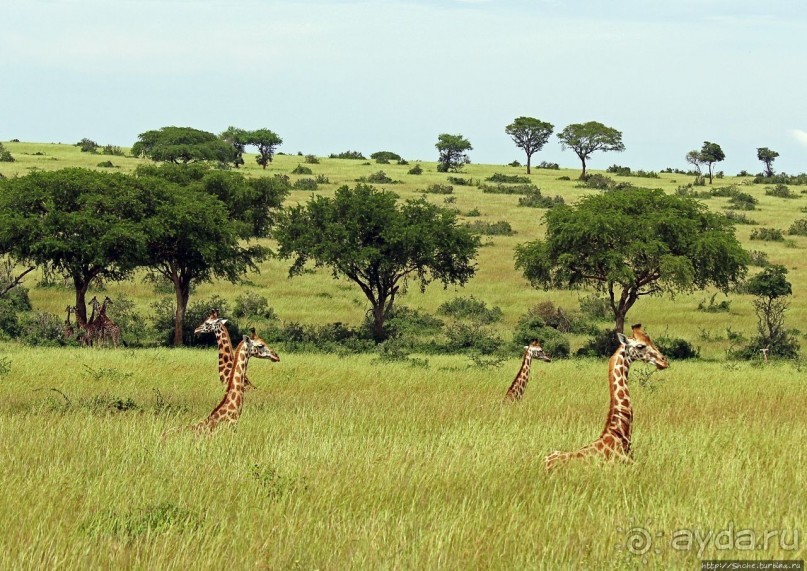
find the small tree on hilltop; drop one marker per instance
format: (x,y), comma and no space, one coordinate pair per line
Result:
(364,235)
(771,288)
(586,138)
(267,142)
(181,145)
(767,156)
(530,135)
(633,243)
(238,139)
(452,152)
(710,154)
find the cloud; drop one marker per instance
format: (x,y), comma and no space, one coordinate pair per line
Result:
(800,136)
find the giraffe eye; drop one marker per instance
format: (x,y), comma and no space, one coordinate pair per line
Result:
(641,346)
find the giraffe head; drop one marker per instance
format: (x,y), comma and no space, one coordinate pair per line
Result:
(211,324)
(536,351)
(108,301)
(259,348)
(641,348)
(94,302)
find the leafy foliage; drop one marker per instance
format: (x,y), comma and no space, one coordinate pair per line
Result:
(182,145)
(530,135)
(453,152)
(586,138)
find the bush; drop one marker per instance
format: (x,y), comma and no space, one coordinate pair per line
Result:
(548,166)
(595,307)
(500,228)
(470,308)
(767,234)
(417,169)
(106,165)
(353,155)
(112,150)
(531,326)
(42,329)
(514,164)
(739,217)
(599,181)
(508,179)
(780,191)
(9,319)
(743,201)
(5,155)
(311,160)
(328,338)
(379,177)
(508,188)
(251,304)
(602,344)
(459,181)
(305,184)
(712,307)
(676,348)
(470,337)
(196,313)
(403,162)
(564,177)
(133,328)
(474,212)
(781,178)
(300,169)
(535,199)
(386,155)
(87,145)
(322,179)
(798,228)
(759,258)
(439,189)
(618,170)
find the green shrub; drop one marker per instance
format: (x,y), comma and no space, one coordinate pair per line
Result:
(739,217)
(500,228)
(251,304)
(759,258)
(5,155)
(379,177)
(534,199)
(564,177)
(780,191)
(712,307)
(508,179)
(595,307)
(417,169)
(531,326)
(41,328)
(514,164)
(87,145)
(300,169)
(353,155)
(163,321)
(768,234)
(507,188)
(548,166)
(311,160)
(798,228)
(743,201)
(437,188)
(602,344)
(112,150)
(459,181)
(106,165)
(386,155)
(470,337)
(599,181)
(472,309)
(473,213)
(322,179)
(305,184)
(676,349)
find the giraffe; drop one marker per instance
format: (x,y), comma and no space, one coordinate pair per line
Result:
(614,442)
(531,351)
(215,324)
(86,337)
(102,326)
(68,330)
(229,409)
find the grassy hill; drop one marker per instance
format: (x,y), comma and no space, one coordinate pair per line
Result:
(351,462)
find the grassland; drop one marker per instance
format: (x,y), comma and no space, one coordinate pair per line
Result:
(353,463)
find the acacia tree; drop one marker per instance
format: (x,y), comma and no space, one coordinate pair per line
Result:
(79,222)
(710,154)
(452,150)
(238,139)
(767,156)
(181,145)
(587,138)
(694,158)
(633,243)
(267,142)
(530,135)
(199,222)
(771,288)
(364,235)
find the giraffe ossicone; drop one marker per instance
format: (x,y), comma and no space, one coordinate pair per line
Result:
(615,440)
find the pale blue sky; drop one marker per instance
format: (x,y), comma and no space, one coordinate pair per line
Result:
(393,75)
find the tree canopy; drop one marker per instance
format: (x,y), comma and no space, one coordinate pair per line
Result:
(530,135)
(586,138)
(267,142)
(453,155)
(767,156)
(710,154)
(364,235)
(83,223)
(632,243)
(182,145)
(238,139)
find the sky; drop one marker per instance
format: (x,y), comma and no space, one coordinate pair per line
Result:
(393,75)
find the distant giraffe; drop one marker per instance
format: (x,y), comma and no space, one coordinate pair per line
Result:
(68,330)
(103,328)
(216,325)
(531,351)
(86,337)
(615,440)
(229,409)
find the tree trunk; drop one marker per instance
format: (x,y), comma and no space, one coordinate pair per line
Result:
(379,316)
(619,325)
(583,174)
(710,173)
(528,163)
(81,286)
(182,291)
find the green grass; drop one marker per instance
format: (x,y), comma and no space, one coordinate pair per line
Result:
(350,463)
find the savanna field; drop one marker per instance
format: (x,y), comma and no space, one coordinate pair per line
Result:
(353,461)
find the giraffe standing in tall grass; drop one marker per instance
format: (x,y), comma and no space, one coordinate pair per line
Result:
(216,325)
(615,440)
(519,384)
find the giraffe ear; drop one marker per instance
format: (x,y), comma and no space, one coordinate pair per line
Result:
(622,339)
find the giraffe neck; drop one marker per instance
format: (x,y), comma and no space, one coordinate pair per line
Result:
(619,422)
(229,409)
(226,357)
(519,385)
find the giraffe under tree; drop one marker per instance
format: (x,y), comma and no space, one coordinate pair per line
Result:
(86,337)
(615,440)
(216,325)
(102,326)
(229,409)
(68,331)
(517,388)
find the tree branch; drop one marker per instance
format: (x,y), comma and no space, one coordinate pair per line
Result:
(16,281)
